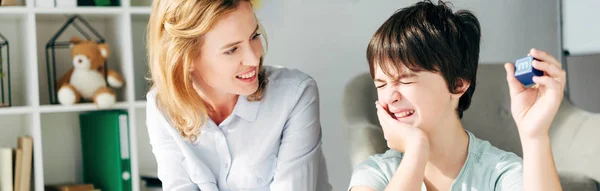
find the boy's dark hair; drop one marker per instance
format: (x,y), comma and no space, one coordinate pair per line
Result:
(429,37)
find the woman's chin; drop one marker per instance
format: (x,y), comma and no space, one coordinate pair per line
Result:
(248,90)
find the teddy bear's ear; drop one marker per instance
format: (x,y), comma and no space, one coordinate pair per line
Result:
(74,41)
(104,50)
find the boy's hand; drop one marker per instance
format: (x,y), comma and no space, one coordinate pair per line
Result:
(399,136)
(533,109)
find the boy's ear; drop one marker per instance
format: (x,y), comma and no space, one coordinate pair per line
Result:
(460,87)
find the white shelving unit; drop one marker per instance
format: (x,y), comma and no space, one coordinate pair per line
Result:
(55,128)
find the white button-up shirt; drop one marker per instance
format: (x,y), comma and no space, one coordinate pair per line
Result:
(272,144)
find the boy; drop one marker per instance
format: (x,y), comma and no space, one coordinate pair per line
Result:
(423,61)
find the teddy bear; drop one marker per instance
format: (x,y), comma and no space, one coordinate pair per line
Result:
(85,80)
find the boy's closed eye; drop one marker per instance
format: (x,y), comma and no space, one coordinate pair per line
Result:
(381,83)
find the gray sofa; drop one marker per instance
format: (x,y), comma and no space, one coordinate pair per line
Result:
(575,133)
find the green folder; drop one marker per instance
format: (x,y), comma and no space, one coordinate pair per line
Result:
(105,149)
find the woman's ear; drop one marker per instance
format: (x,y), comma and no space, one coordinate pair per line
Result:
(460,87)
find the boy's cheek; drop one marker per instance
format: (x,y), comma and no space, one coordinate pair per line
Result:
(381,97)
(382,100)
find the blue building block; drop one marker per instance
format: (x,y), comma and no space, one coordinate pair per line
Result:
(524,70)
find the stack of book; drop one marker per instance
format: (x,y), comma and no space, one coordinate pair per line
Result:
(16,165)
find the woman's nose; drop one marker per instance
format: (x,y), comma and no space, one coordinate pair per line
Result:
(252,57)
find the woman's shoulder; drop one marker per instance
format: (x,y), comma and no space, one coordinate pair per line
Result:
(281,75)
(285,81)
(151,98)
(152,107)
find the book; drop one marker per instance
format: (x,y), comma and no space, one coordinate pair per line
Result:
(6,169)
(105,149)
(8,3)
(18,160)
(25,144)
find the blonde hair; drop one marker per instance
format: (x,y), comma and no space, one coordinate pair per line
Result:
(175,32)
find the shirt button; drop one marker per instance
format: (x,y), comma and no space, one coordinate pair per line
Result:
(226,165)
(260,181)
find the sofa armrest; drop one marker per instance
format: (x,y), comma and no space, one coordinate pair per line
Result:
(365,140)
(571,181)
(364,135)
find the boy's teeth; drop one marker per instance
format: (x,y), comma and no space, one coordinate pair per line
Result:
(406,113)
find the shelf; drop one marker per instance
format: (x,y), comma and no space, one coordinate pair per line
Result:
(13,10)
(55,127)
(17,110)
(136,10)
(82,10)
(14,126)
(77,107)
(140,10)
(108,26)
(62,148)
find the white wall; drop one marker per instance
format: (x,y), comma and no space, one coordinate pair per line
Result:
(580,31)
(327,39)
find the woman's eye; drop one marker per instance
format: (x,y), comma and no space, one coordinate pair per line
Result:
(231,51)
(255,36)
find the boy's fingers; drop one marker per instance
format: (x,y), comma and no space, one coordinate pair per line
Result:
(514,86)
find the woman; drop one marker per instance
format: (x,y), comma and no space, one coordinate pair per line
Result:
(423,61)
(217,118)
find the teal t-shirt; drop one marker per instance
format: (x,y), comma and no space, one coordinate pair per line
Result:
(487,168)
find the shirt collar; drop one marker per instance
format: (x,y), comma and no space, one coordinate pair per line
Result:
(245,109)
